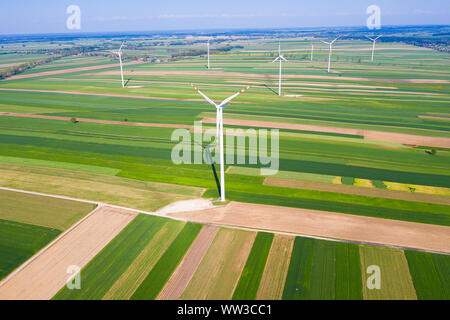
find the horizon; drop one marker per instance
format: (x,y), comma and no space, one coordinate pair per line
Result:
(25,17)
(132,32)
(211,31)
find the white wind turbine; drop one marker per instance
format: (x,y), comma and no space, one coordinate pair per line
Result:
(374,40)
(209,66)
(219,133)
(119,53)
(331,50)
(312,51)
(281,59)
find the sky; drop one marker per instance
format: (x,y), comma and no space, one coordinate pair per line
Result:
(49,16)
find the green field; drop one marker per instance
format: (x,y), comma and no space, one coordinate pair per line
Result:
(429,273)
(404,91)
(143,257)
(29,222)
(115,257)
(162,271)
(43,211)
(19,241)
(251,275)
(323,270)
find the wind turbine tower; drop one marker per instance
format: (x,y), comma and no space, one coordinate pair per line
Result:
(331,50)
(209,66)
(374,41)
(219,132)
(119,53)
(281,59)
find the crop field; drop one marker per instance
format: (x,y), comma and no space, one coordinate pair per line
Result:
(369,139)
(247,265)
(29,222)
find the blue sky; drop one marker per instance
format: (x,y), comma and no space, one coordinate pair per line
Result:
(49,16)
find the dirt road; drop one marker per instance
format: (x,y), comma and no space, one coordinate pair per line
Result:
(327,224)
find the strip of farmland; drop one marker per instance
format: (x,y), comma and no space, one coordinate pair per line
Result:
(180,279)
(219,272)
(327,224)
(44,276)
(367,134)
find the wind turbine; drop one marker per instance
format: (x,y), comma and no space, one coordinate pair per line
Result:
(374,40)
(209,66)
(219,132)
(281,59)
(312,51)
(331,50)
(119,53)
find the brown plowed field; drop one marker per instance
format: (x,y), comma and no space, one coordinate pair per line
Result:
(327,224)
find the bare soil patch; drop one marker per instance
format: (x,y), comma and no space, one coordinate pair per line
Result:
(103,94)
(407,139)
(310,98)
(180,279)
(7,65)
(260,76)
(139,124)
(47,274)
(327,224)
(64,71)
(218,274)
(181,72)
(434,117)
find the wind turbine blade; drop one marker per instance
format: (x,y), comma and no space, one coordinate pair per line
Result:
(335,39)
(224,102)
(378,37)
(204,96)
(324,42)
(121,46)
(283,58)
(370,38)
(276,59)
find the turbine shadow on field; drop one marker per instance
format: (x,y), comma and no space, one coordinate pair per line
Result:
(269,82)
(126,83)
(270,89)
